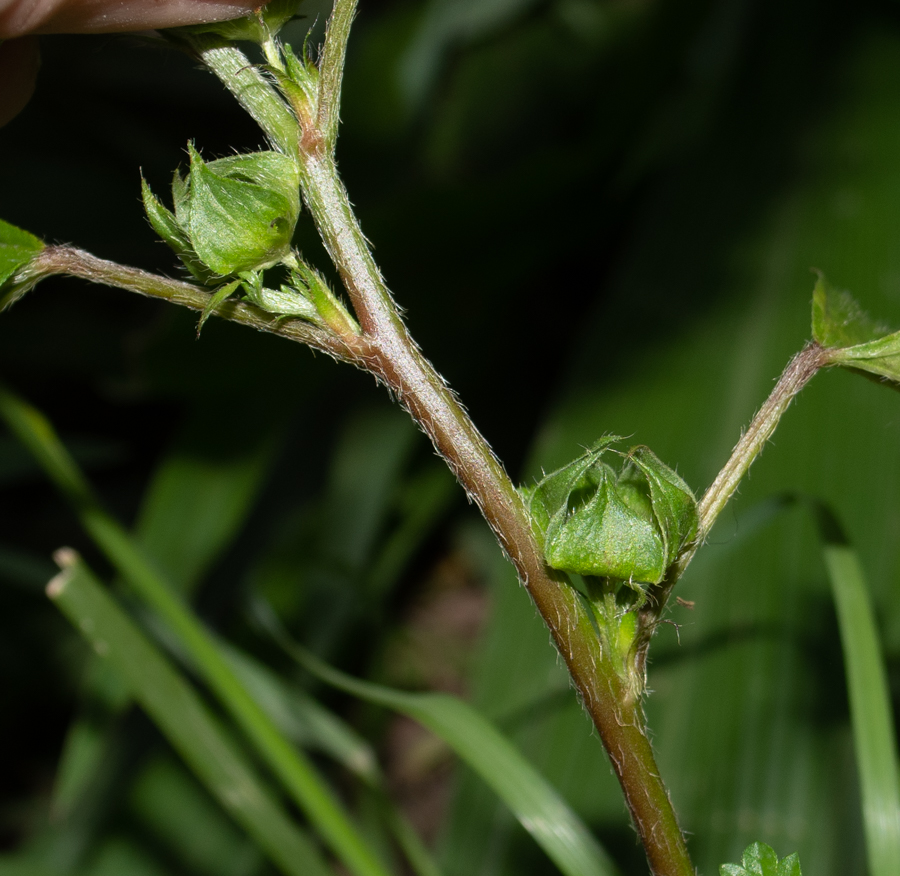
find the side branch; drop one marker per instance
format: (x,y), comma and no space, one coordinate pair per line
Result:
(78,263)
(796,375)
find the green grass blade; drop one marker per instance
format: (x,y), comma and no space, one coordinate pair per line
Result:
(182,717)
(204,489)
(291,766)
(538,807)
(870,702)
(196,501)
(302,719)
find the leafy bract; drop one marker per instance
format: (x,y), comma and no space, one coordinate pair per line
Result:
(629,525)
(855,340)
(760,860)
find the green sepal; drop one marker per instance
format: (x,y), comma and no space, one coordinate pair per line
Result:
(215,299)
(241,212)
(270,170)
(853,338)
(761,860)
(166,225)
(672,500)
(181,198)
(256,27)
(551,492)
(17,249)
(285,302)
(629,526)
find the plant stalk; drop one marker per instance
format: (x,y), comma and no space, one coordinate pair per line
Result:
(799,371)
(74,262)
(796,375)
(389,353)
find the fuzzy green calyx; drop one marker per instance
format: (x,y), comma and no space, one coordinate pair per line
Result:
(232,215)
(629,525)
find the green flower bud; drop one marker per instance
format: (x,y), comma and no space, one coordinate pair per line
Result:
(242,210)
(629,525)
(233,215)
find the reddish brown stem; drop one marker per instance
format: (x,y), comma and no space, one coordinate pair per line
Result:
(389,352)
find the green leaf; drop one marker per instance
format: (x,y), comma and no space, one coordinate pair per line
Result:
(857,340)
(182,717)
(837,318)
(880,357)
(538,807)
(180,815)
(17,249)
(761,860)
(871,713)
(239,220)
(301,718)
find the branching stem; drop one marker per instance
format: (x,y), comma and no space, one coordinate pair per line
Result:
(78,263)
(796,375)
(393,357)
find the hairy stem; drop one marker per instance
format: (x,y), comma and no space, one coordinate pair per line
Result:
(331,70)
(395,359)
(796,375)
(78,263)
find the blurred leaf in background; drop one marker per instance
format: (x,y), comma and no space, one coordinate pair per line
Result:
(600,216)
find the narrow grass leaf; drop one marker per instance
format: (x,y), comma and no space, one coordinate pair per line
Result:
(204,489)
(302,719)
(538,807)
(180,815)
(182,717)
(194,505)
(870,702)
(290,765)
